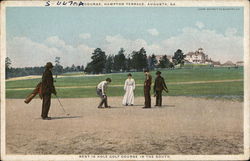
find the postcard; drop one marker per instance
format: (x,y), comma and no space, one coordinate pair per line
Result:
(125,80)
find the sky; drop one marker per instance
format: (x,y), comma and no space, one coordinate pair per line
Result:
(36,35)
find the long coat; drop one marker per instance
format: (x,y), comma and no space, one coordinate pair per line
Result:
(48,83)
(160,84)
(147,87)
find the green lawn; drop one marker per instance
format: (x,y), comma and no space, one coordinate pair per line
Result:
(214,90)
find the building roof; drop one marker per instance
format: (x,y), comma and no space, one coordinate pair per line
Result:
(228,63)
(195,53)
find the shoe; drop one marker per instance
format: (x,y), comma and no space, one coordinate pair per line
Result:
(99,107)
(131,105)
(108,107)
(146,107)
(47,118)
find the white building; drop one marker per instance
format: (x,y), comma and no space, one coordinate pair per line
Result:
(240,63)
(197,57)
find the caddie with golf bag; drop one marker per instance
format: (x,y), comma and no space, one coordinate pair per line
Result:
(47,89)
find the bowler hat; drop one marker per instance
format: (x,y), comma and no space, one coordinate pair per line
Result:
(158,72)
(49,65)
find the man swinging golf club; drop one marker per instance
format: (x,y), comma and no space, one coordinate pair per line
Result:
(47,88)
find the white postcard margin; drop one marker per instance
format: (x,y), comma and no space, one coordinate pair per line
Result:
(178,3)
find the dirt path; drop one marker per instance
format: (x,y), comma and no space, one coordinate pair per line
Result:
(191,82)
(184,125)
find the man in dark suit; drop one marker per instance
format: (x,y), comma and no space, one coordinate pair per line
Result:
(147,88)
(159,86)
(47,88)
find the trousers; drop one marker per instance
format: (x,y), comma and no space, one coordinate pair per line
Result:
(158,98)
(46,104)
(147,97)
(104,99)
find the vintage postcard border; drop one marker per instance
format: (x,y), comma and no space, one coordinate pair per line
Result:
(195,3)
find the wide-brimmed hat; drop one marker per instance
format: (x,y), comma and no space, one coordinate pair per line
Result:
(49,65)
(158,72)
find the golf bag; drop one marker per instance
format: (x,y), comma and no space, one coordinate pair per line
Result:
(37,90)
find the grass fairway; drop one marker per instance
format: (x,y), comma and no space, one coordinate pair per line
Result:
(179,82)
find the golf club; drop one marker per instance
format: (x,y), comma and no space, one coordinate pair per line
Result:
(62,106)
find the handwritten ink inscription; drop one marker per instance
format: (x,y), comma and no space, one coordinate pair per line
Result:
(82,3)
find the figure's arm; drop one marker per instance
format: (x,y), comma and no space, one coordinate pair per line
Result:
(165,86)
(51,83)
(125,85)
(150,80)
(134,85)
(103,89)
(155,86)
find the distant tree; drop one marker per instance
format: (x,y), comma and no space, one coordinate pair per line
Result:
(66,69)
(178,57)
(97,65)
(139,59)
(7,66)
(171,65)
(164,62)
(120,61)
(58,68)
(88,68)
(129,64)
(81,68)
(78,68)
(152,62)
(7,62)
(109,65)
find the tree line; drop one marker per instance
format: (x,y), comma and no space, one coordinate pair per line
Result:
(136,61)
(58,69)
(102,63)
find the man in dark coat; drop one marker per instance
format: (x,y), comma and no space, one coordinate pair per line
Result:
(159,86)
(147,88)
(47,88)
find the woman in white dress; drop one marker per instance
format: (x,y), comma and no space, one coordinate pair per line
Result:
(129,87)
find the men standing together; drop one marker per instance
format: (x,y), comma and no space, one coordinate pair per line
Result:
(47,88)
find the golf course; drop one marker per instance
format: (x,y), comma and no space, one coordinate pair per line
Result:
(201,114)
(206,82)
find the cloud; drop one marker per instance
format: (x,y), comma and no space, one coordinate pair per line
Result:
(85,36)
(153,32)
(230,32)
(114,43)
(199,24)
(55,41)
(222,47)
(26,53)
(219,46)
